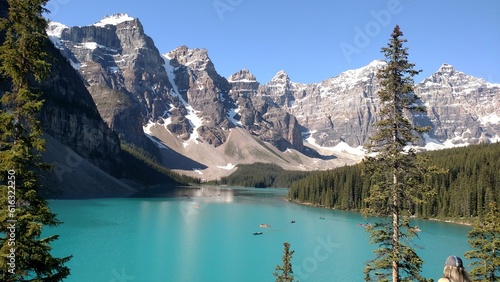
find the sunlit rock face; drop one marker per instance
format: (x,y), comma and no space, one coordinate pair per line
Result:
(135,87)
(340,109)
(462,109)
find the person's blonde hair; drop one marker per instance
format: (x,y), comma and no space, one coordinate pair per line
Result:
(456,274)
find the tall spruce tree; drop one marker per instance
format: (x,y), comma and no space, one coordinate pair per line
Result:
(396,172)
(484,238)
(25,256)
(285,273)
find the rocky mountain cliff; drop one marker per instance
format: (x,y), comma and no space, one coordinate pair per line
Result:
(462,109)
(122,70)
(202,121)
(339,109)
(82,149)
(132,84)
(71,117)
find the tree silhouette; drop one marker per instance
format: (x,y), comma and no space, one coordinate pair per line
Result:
(396,173)
(23,64)
(285,273)
(484,238)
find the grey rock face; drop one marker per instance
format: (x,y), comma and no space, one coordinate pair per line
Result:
(341,108)
(123,71)
(71,117)
(133,84)
(261,115)
(462,109)
(200,86)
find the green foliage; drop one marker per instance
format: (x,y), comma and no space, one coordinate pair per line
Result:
(261,175)
(394,170)
(285,273)
(380,268)
(24,255)
(472,179)
(145,168)
(340,188)
(484,238)
(397,183)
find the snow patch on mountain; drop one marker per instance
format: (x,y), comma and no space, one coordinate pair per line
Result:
(197,170)
(244,80)
(231,115)
(114,20)
(490,119)
(147,128)
(55,29)
(149,134)
(90,46)
(229,166)
(192,114)
(351,78)
(432,144)
(341,147)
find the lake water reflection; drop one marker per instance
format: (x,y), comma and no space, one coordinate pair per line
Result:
(206,234)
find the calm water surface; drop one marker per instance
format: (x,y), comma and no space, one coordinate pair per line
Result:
(206,234)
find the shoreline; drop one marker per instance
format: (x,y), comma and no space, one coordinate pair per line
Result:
(452,221)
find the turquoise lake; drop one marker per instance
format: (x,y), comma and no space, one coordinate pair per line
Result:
(206,234)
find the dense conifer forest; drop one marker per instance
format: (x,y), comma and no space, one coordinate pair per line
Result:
(472,179)
(261,175)
(143,167)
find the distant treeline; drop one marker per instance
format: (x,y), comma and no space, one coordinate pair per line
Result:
(472,179)
(144,168)
(261,175)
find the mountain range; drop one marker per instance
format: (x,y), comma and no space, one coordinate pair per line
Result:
(176,106)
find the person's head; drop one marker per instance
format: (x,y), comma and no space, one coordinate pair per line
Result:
(455,271)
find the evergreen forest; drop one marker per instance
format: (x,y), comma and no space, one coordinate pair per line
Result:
(471,180)
(141,166)
(262,175)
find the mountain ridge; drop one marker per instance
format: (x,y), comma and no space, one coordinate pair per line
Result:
(179,95)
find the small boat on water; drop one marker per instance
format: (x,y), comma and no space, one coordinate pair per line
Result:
(257,233)
(263,225)
(293,221)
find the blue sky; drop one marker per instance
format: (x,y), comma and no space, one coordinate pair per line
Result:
(311,40)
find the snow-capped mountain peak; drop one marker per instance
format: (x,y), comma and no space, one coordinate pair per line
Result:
(351,78)
(195,58)
(55,29)
(243,75)
(378,64)
(450,77)
(446,68)
(114,20)
(280,77)
(190,107)
(361,72)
